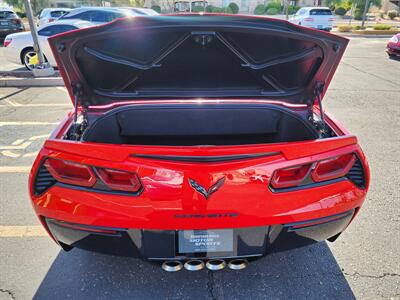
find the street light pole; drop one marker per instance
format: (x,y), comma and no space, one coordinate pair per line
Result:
(32,26)
(365,13)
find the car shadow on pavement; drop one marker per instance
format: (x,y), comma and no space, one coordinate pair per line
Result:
(310,272)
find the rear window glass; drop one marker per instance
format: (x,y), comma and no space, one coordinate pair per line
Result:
(7,14)
(320,12)
(57,14)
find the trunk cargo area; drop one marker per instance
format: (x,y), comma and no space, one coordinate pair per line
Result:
(194,125)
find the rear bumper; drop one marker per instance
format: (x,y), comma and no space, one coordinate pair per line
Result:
(163,244)
(393,51)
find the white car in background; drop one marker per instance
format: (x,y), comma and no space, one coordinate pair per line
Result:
(314,17)
(49,15)
(101,15)
(19,46)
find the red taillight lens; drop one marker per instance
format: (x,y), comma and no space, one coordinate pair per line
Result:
(51,20)
(119,180)
(70,172)
(333,168)
(308,19)
(7,42)
(290,177)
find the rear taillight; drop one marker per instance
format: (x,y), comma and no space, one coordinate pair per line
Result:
(309,20)
(289,177)
(70,172)
(51,20)
(7,41)
(119,180)
(319,171)
(333,168)
(96,178)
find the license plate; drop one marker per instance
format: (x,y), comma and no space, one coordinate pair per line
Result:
(4,23)
(319,26)
(212,240)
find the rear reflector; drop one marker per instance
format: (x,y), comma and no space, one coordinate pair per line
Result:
(289,177)
(119,180)
(333,168)
(70,172)
(7,41)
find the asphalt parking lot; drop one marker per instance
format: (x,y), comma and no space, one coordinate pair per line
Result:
(364,263)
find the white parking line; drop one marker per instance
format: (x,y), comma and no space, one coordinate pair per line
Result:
(27,123)
(10,154)
(15,169)
(22,231)
(15,104)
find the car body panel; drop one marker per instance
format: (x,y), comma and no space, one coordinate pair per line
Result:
(393,46)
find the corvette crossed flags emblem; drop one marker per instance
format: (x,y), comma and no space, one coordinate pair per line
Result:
(207,193)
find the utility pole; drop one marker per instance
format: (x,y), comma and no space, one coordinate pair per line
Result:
(42,69)
(365,13)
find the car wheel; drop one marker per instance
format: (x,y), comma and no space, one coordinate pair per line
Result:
(26,56)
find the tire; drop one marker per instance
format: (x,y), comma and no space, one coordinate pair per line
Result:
(25,55)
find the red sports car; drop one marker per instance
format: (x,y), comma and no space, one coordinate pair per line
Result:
(197,140)
(393,46)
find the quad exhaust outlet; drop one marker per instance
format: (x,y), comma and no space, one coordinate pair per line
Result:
(238,264)
(197,265)
(216,264)
(194,265)
(172,266)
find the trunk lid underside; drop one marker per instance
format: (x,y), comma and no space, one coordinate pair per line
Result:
(196,56)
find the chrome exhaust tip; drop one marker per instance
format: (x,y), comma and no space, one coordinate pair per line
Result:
(215,264)
(194,265)
(172,266)
(238,264)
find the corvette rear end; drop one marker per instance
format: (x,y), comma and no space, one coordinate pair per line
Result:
(197,137)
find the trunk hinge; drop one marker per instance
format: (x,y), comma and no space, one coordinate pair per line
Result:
(77,127)
(319,88)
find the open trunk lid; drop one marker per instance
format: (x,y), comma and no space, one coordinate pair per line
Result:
(190,56)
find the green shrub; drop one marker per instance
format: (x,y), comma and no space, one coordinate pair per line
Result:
(382,27)
(358,14)
(157,8)
(345,28)
(209,8)
(392,14)
(271,11)
(21,14)
(259,10)
(293,9)
(234,8)
(358,27)
(217,9)
(340,11)
(275,5)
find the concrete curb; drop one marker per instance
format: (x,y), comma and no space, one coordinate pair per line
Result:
(30,82)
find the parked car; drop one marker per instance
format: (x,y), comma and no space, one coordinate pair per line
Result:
(141,11)
(19,46)
(101,15)
(9,22)
(314,17)
(393,46)
(49,15)
(197,162)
